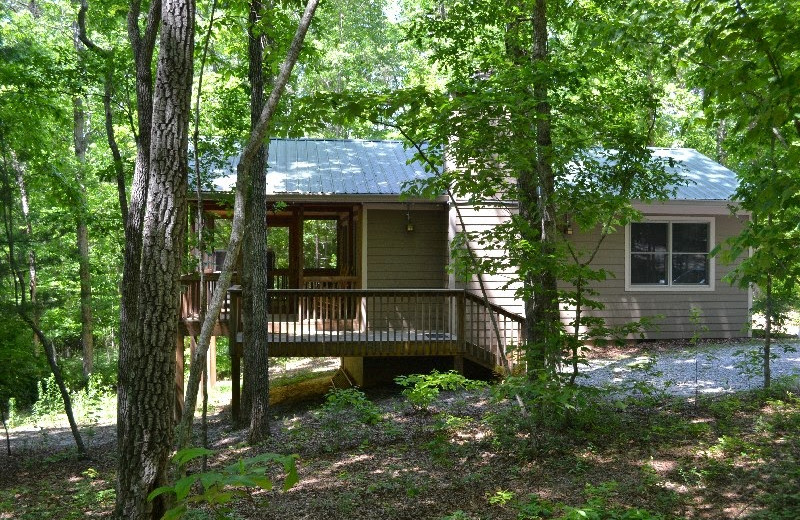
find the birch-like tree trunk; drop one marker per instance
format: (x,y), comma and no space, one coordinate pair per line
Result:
(32,277)
(147,419)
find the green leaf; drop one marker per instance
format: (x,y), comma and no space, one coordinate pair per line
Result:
(184,485)
(160,491)
(175,513)
(188,454)
(211,478)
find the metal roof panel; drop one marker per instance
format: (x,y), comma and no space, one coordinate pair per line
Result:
(359,167)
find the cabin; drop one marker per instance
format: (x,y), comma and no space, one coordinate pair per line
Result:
(360,272)
(356,271)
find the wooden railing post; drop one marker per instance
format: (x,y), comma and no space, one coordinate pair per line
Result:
(461,313)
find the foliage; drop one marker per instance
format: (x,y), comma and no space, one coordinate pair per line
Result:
(421,390)
(49,400)
(20,368)
(597,507)
(352,400)
(92,401)
(745,58)
(217,489)
(42,77)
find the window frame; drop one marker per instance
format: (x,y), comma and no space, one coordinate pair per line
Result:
(670,287)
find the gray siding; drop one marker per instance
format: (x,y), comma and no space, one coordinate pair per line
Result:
(399,259)
(724,311)
(476,220)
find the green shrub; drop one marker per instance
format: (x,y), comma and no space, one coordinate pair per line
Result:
(218,488)
(422,389)
(49,400)
(346,399)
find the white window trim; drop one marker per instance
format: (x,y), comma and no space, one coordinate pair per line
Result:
(672,288)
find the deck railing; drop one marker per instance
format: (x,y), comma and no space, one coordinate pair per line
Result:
(443,321)
(360,316)
(190,298)
(492,329)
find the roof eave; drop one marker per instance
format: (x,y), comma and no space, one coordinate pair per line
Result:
(690,207)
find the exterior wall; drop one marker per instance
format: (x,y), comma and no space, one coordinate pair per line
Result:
(477,220)
(723,310)
(397,258)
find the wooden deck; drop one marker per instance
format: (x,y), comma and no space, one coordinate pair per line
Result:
(366,323)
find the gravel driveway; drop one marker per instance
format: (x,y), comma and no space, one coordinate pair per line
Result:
(706,369)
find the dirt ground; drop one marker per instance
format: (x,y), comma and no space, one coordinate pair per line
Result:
(445,462)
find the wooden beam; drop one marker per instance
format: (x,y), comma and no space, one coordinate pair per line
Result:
(179,387)
(235,353)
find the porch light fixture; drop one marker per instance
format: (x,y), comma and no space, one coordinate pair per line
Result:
(409,224)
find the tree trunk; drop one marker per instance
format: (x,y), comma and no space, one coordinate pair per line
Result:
(149,361)
(257,136)
(254,263)
(80,142)
(32,279)
(5,427)
(536,188)
(50,351)
(142,46)
(765,360)
(87,335)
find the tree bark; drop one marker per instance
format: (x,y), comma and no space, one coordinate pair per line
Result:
(147,419)
(535,194)
(257,137)
(255,402)
(143,48)
(81,142)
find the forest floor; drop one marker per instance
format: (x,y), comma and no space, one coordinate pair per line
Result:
(468,455)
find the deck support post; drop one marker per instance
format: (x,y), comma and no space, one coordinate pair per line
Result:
(211,362)
(234,348)
(179,387)
(458,364)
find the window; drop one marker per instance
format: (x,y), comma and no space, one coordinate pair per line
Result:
(670,254)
